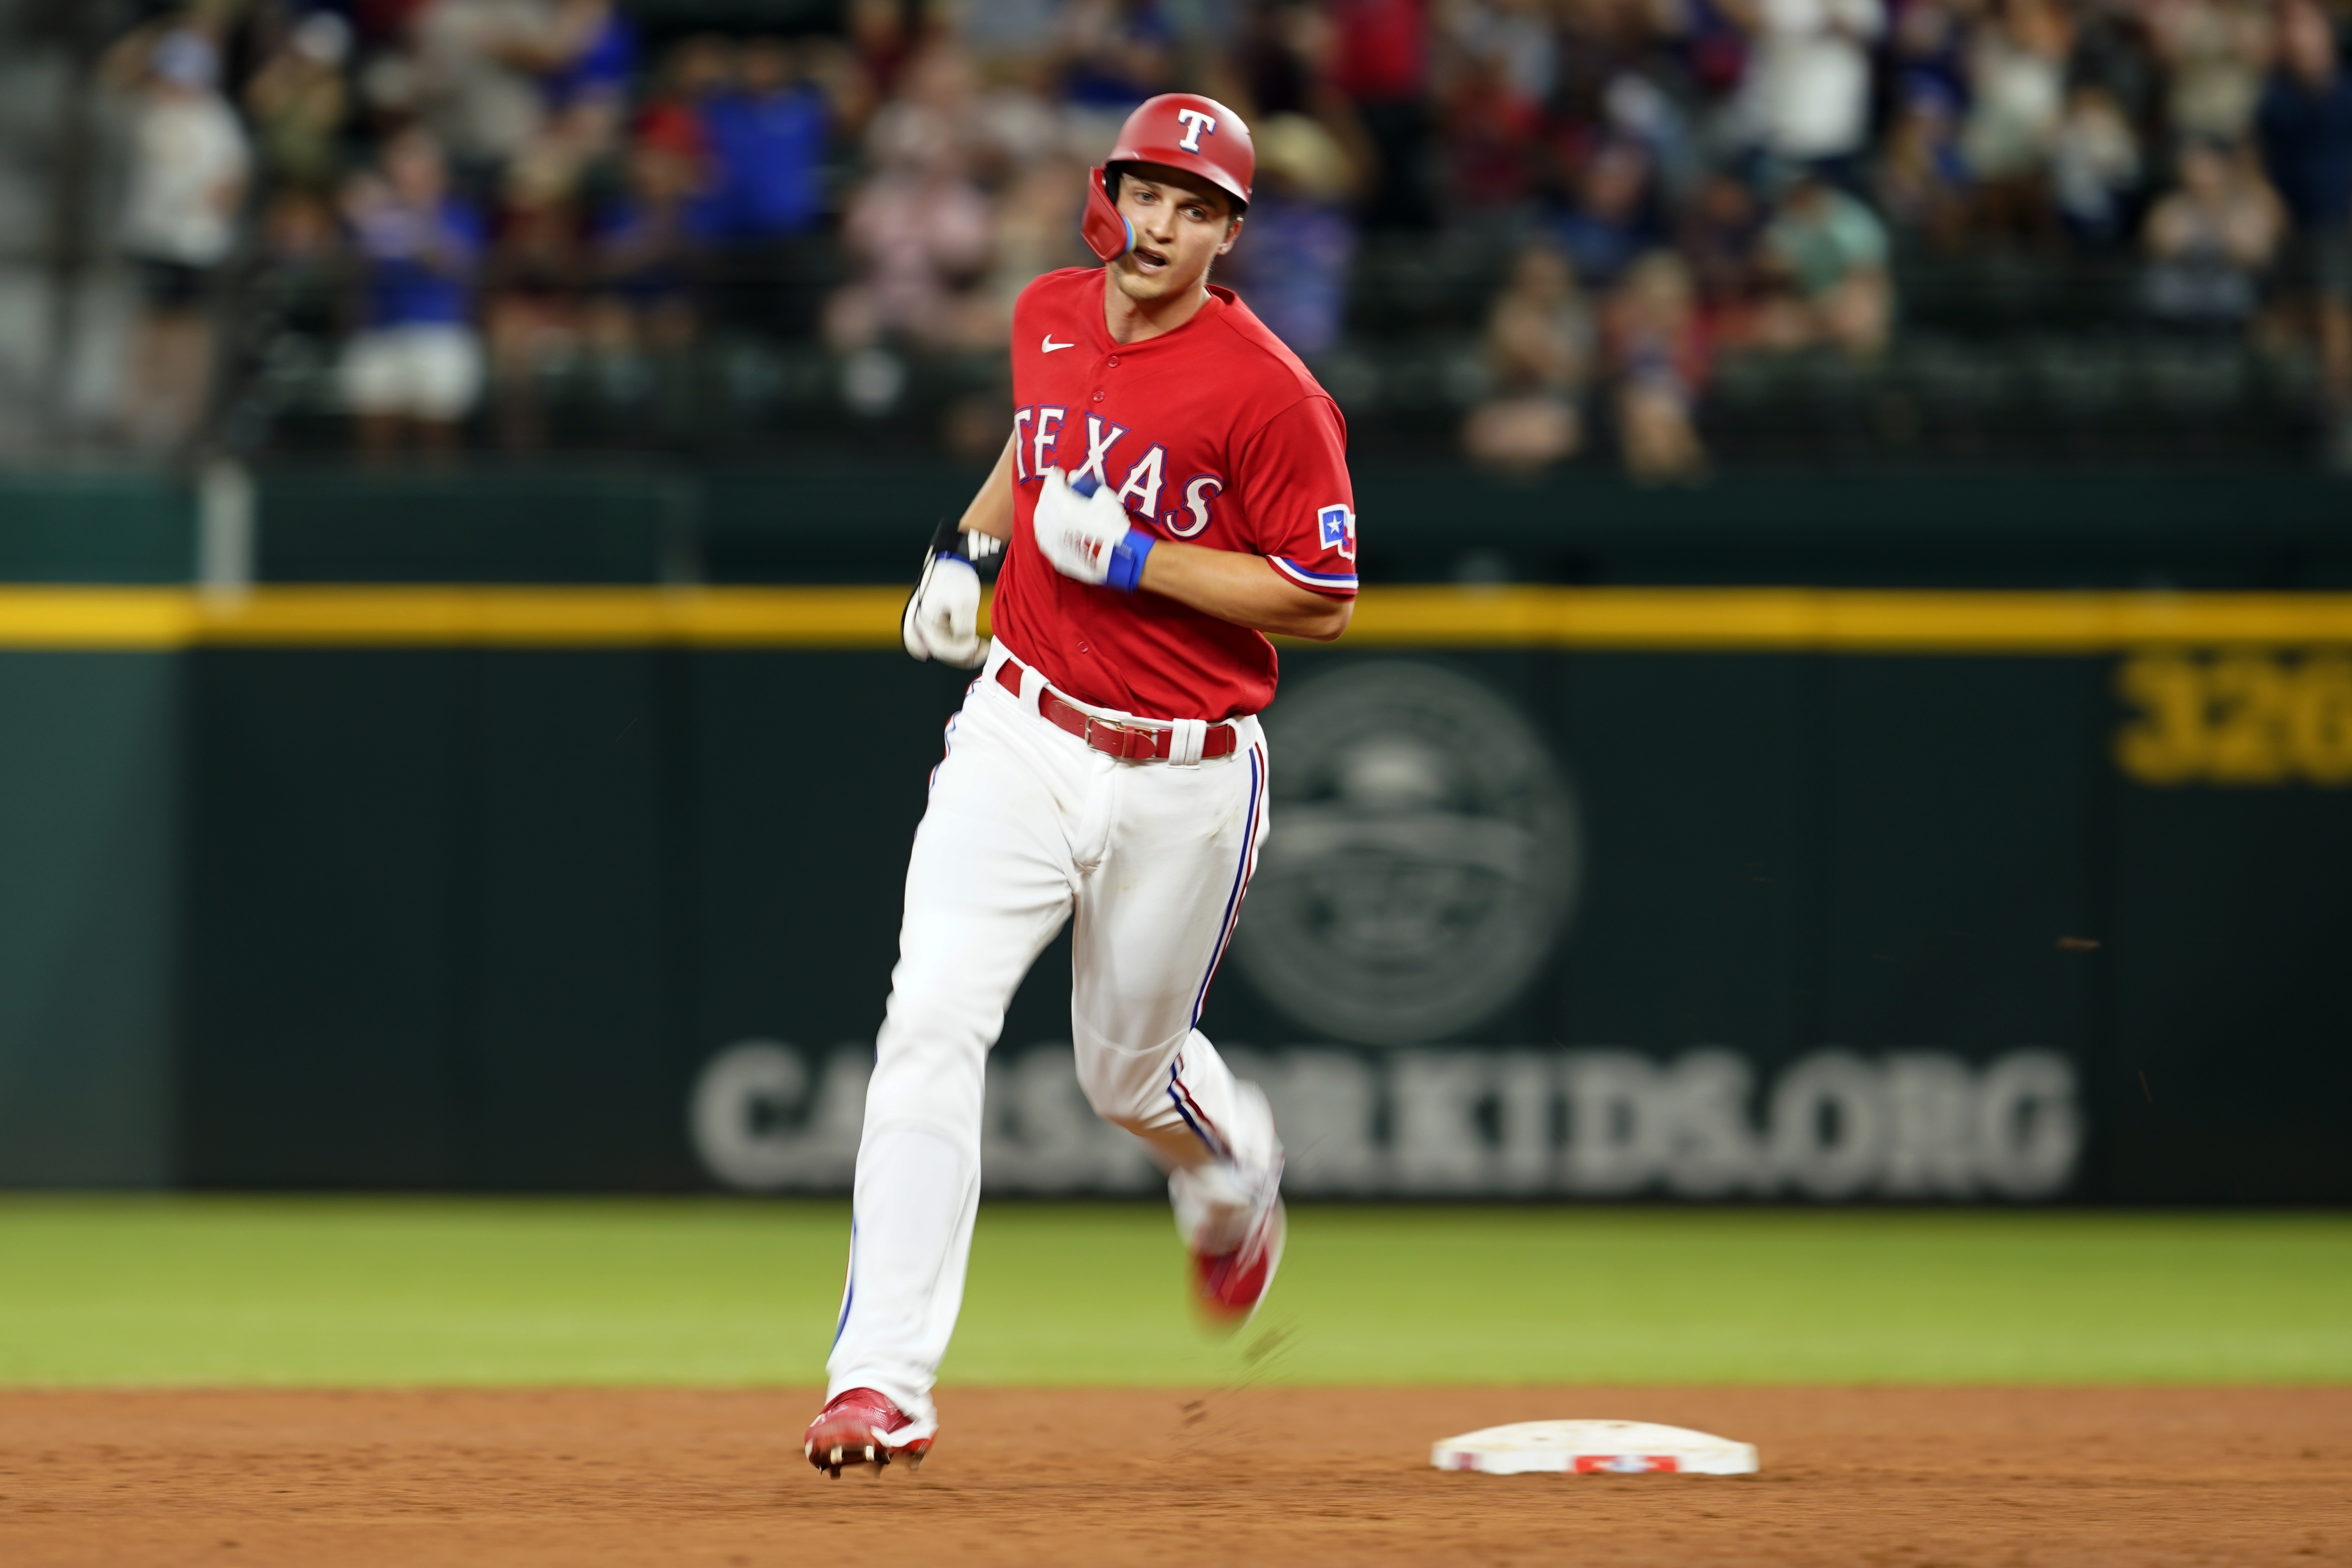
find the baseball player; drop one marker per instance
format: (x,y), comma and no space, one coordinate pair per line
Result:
(1175,486)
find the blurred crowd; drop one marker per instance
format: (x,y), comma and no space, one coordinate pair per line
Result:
(463,196)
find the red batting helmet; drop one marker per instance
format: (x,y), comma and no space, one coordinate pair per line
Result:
(1180,131)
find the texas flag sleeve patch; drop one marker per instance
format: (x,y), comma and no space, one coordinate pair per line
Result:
(1335,531)
(1338,525)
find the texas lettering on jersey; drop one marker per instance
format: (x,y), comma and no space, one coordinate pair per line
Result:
(1038,431)
(1213,433)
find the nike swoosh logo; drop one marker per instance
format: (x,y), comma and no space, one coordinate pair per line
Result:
(1051,346)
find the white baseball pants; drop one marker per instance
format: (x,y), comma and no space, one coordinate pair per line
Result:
(1027,825)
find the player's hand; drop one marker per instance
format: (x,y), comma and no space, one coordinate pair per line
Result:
(942,618)
(1085,534)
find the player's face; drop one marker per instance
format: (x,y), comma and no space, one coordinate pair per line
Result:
(1181,224)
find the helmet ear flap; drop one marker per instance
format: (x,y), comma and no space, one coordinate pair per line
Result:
(1107,233)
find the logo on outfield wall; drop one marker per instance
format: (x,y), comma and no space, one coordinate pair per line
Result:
(1423,859)
(1833,1125)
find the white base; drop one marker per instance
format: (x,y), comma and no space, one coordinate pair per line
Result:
(1593,1448)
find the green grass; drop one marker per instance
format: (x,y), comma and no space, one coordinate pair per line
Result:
(354,1291)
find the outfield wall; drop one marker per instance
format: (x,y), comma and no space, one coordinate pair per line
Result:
(2007,865)
(1585,892)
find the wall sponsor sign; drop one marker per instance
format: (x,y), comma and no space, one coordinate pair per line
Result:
(1423,858)
(1796,894)
(1423,864)
(1833,1124)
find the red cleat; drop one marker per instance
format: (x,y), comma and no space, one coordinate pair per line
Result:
(863,1428)
(1227,1287)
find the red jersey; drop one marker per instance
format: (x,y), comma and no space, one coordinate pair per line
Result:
(1213,433)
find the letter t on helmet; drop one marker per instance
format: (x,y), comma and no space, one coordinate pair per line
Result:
(1179,131)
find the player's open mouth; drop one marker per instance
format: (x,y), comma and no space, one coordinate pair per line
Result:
(1147,260)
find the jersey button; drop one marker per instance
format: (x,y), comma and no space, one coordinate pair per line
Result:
(1114,361)
(1098,397)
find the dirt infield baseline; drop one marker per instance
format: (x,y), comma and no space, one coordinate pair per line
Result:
(1790,894)
(2051,1478)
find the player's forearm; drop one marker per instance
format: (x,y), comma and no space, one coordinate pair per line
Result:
(991,512)
(1243,589)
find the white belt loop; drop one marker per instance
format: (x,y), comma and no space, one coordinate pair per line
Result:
(1186,737)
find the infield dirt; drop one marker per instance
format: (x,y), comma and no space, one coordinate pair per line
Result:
(584,1478)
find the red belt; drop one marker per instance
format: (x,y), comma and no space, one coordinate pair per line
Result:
(1129,743)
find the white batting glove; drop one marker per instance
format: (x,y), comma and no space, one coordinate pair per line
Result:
(942,618)
(1086,535)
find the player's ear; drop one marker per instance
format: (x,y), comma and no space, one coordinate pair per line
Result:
(1232,232)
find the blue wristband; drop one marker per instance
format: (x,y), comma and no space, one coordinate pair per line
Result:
(1126,568)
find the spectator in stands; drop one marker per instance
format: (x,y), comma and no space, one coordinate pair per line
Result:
(917,230)
(693,80)
(1635,108)
(1016,123)
(486,70)
(1806,96)
(838,72)
(383,23)
(2210,241)
(1293,271)
(1008,37)
(298,287)
(1036,231)
(535,287)
(1281,67)
(1927,48)
(1381,64)
(1657,359)
(1722,240)
(2095,168)
(1115,53)
(1538,349)
(536,283)
(768,140)
(299,102)
(1497,70)
(882,41)
(2215,52)
(2114,51)
(1708,48)
(1830,253)
(415,369)
(473,68)
(189,166)
(936,109)
(626,206)
(649,252)
(1923,185)
(595,61)
(1614,218)
(1491,137)
(1515,38)
(1595,45)
(2306,122)
(2017,76)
